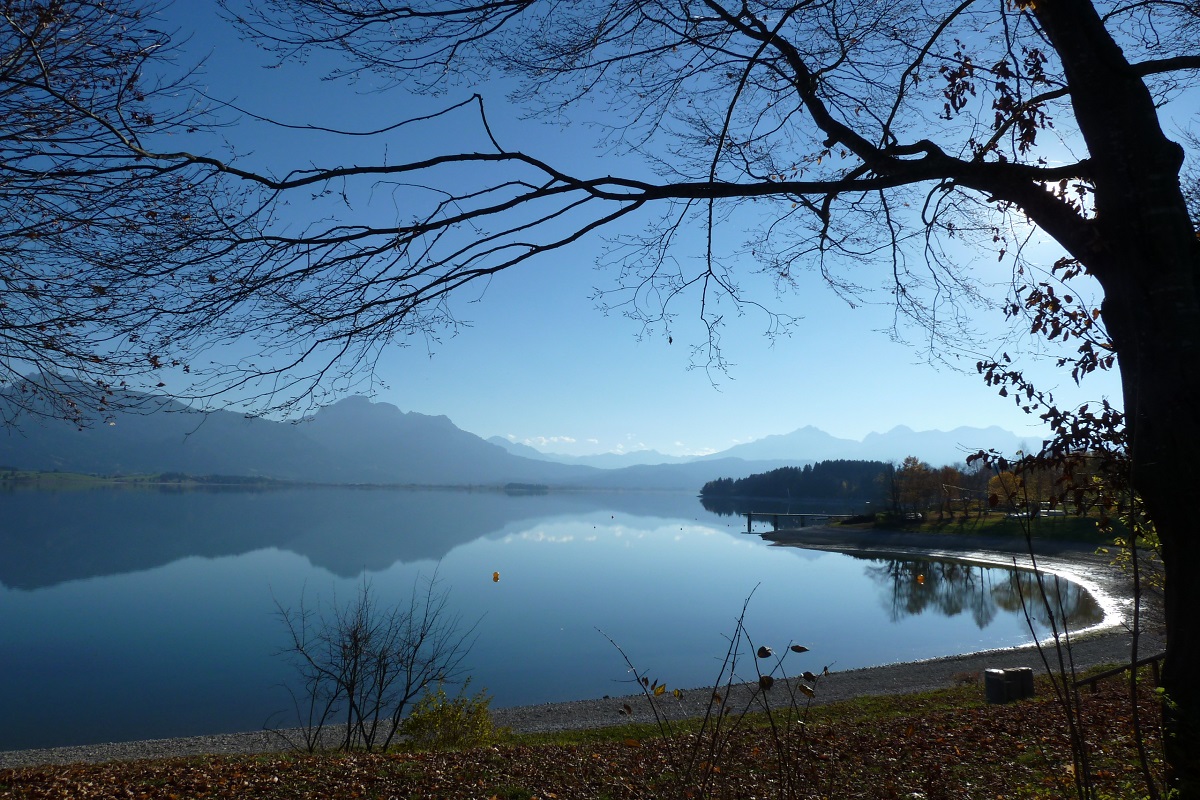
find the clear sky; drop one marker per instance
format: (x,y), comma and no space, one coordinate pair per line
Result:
(540,364)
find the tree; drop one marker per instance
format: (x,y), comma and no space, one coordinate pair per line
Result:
(1006,488)
(364,665)
(952,480)
(104,241)
(911,137)
(918,484)
(886,130)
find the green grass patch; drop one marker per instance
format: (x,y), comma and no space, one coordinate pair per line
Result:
(604,735)
(171,481)
(50,480)
(1066,527)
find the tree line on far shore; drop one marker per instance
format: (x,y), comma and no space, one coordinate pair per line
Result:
(837,479)
(910,486)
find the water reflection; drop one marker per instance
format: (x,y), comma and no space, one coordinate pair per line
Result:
(50,537)
(910,587)
(740,506)
(130,615)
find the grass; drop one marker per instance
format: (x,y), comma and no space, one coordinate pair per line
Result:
(942,744)
(1066,527)
(35,479)
(49,480)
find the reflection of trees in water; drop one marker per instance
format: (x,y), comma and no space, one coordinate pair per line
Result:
(1066,600)
(723,506)
(913,587)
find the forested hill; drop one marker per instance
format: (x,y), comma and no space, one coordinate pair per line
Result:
(825,479)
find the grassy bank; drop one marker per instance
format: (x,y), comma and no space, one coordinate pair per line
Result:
(933,745)
(1064,527)
(50,480)
(17,478)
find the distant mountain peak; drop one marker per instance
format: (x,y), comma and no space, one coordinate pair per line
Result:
(359,404)
(358,400)
(899,429)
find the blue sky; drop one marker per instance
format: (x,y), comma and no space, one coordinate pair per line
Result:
(539,363)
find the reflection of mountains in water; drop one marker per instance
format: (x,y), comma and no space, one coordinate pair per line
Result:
(50,537)
(913,586)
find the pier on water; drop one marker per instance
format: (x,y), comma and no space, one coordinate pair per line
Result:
(790,520)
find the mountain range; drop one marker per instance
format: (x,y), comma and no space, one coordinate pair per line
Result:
(809,444)
(356,441)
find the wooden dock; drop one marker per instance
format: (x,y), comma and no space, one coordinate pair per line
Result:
(788,519)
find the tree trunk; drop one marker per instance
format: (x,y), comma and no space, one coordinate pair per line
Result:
(1181,709)
(1141,245)
(1154,318)
(1147,258)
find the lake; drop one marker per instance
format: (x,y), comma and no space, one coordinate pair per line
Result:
(131,614)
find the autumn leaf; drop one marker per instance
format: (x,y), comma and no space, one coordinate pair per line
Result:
(911,738)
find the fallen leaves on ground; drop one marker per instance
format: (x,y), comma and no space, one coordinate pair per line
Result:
(916,748)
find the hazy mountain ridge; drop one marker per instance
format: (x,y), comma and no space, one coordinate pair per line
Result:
(359,441)
(598,460)
(936,447)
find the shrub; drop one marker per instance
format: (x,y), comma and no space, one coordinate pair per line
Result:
(439,722)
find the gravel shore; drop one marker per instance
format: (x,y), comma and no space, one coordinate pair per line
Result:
(1108,643)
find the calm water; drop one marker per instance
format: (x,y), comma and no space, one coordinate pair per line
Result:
(146,614)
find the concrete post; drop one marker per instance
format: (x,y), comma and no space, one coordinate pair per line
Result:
(1005,685)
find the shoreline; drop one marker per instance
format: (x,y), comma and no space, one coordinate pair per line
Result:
(1078,562)
(1107,643)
